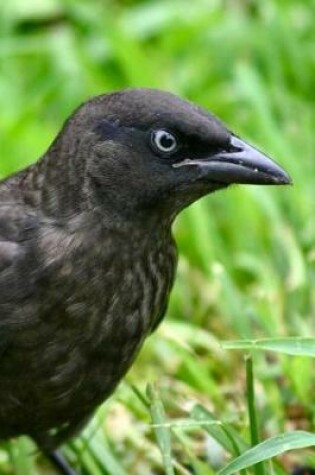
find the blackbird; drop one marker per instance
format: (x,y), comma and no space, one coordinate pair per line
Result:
(87,257)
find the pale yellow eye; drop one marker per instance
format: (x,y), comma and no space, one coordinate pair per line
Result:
(164,141)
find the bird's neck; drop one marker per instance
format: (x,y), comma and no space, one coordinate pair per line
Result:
(60,195)
(51,186)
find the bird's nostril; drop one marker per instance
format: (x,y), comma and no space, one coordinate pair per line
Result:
(230,148)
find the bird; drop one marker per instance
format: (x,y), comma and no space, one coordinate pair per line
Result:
(87,255)
(303,470)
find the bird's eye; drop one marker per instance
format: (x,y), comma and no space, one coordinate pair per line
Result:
(164,141)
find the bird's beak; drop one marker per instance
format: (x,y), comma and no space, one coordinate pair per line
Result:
(241,163)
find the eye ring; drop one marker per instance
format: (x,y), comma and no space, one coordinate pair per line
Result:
(163,141)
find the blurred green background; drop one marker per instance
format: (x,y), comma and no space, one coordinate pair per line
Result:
(247,266)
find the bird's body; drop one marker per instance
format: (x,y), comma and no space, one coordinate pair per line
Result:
(87,258)
(83,303)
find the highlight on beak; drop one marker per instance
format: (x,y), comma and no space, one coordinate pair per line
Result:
(241,163)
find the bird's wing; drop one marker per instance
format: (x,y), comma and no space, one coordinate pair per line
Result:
(16,256)
(8,254)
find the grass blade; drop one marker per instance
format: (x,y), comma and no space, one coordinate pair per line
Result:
(161,430)
(223,433)
(259,469)
(268,449)
(291,346)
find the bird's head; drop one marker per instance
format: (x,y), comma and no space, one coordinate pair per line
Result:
(145,152)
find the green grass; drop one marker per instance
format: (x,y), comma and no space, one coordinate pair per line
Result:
(247,268)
